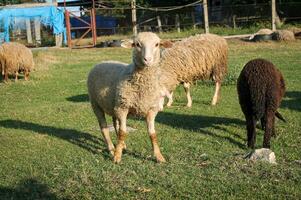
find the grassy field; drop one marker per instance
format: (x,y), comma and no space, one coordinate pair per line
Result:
(51,146)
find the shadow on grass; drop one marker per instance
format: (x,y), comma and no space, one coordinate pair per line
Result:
(79,98)
(199,123)
(27,189)
(294,101)
(84,140)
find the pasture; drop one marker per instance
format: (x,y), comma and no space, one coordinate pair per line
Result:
(51,146)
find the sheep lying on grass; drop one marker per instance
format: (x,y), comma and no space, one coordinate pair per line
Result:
(283,35)
(267,34)
(118,89)
(260,89)
(261,35)
(15,58)
(199,57)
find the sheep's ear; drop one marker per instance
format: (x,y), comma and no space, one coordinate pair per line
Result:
(166,44)
(127,44)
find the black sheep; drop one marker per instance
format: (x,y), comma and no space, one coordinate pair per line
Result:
(260,89)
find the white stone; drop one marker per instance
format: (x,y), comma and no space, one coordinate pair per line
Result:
(263,154)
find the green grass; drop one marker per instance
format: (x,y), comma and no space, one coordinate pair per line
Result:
(51,147)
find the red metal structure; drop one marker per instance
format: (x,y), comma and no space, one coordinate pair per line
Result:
(88,8)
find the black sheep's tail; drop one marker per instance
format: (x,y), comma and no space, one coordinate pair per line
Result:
(279,116)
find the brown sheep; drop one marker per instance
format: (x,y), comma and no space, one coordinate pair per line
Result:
(260,89)
(15,58)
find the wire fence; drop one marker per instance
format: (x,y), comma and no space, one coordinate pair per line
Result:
(115,17)
(190,16)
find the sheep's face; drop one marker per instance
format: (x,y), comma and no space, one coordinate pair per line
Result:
(146,52)
(146,49)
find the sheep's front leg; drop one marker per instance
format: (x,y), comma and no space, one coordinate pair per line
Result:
(116,127)
(216,93)
(188,96)
(122,115)
(150,120)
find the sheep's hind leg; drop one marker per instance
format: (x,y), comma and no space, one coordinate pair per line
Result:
(26,75)
(170,99)
(122,115)
(251,129)
(116,127)
(16,76)
(269,128)
(103,127)
(216,93)
(188,96)
(5,75)
(263,122)
(150,120)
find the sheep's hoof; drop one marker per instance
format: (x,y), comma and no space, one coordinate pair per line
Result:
(188,106)
(160,159)
(117,154)
(117,159)
(112,152)
(213,103)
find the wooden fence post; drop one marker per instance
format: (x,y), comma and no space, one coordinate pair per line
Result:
(159,24)
(193,20)
(134,18)
(205,10)
(28,31)
(37,28)
(59,40)
(178,23)
(273,15)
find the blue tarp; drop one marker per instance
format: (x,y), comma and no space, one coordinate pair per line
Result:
(49,16)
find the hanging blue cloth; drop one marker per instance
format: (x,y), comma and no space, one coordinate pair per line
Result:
(48,16)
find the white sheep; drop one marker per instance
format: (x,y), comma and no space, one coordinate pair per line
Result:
(15,58)
(119,90)
(199,57)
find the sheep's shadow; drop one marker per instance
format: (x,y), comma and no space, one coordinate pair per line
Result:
(27,189)
(199,123)
(294,101)
(79,98)
(84,140)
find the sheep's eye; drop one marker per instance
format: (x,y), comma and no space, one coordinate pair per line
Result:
(157,44)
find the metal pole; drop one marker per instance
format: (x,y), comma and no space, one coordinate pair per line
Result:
(205,10)
(134,19)
(273,15)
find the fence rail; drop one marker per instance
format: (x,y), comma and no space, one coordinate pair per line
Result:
(191,16)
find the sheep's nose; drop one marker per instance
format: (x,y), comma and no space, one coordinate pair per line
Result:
(147,59)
